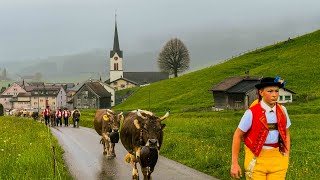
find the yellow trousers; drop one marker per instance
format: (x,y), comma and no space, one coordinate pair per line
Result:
(269,165)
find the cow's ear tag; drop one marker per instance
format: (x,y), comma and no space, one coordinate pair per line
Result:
(105,117)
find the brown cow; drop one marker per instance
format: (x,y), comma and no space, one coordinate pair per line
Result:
(142,134)
(106,123)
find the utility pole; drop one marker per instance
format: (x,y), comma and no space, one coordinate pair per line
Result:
(38,102)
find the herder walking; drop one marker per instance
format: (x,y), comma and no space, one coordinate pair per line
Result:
(265,130)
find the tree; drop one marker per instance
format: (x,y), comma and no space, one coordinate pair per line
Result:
(174,57)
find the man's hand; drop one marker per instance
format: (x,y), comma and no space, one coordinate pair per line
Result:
(235,171)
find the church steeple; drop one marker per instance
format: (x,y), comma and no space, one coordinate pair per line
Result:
(116,46)
(116,63)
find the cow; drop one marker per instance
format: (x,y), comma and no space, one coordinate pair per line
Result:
(107,123)
(141,135)
(75,116)
(35,115)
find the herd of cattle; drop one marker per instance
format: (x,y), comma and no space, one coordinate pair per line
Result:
(24,113)
(75,116)
(141,134)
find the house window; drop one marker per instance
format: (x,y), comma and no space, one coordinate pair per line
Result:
(115,83)
(287,97)
(280,98)
(123,86)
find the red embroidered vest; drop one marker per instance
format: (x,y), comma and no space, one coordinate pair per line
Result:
(255,137)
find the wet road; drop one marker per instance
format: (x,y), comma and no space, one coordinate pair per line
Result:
(83,155)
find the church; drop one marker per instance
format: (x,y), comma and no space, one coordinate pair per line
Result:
(118,79)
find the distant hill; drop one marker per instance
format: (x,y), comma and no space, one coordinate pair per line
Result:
(78,67)
(296,60)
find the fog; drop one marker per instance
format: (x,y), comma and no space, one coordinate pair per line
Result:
(212,30)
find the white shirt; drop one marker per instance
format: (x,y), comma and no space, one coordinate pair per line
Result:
(273,135)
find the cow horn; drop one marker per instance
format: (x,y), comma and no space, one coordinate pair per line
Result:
(140,115)
(109,110)
(121,116)
(165,116)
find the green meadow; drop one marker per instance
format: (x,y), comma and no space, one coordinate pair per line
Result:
(26,151)
(202,139)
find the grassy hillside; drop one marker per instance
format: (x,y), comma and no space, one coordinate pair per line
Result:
(296,60)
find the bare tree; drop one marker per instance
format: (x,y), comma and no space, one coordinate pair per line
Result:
(174,57)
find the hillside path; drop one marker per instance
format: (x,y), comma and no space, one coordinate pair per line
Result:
(84,158)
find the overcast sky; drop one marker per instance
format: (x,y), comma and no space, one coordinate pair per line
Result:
(211,29)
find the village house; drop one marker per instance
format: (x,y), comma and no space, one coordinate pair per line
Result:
(33,96)
(38,97)
(13,90)
(240,91)
(285,95)
(92,95)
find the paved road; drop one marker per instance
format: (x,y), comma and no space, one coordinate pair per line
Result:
(83,155)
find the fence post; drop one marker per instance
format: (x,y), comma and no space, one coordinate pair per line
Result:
(54,161)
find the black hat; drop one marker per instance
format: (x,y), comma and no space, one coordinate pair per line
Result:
(268,81)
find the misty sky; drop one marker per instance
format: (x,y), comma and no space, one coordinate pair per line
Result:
(212,30)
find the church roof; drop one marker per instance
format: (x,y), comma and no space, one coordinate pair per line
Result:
(145,77)
(116,46)
(122,78)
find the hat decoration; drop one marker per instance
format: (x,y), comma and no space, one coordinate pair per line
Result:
(278,79)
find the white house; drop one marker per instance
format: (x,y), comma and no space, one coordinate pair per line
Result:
(110,90)
(285,95)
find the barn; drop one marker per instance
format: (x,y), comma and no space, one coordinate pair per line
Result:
(92,95)
(235,92)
